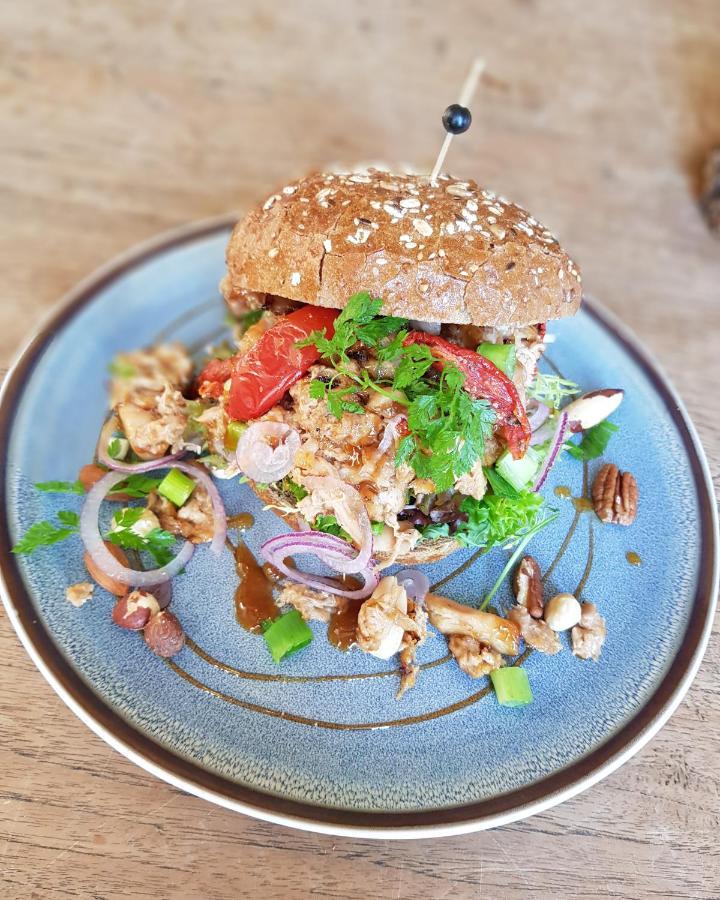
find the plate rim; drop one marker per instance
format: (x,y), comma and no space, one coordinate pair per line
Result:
(191,777)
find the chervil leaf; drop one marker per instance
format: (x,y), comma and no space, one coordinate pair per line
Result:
(137,486)
(415,361)
(157,543)
(60,487)
(317,390)
(498,520)
(330,525)
(43,534)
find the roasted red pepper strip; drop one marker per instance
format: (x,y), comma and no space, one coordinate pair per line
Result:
(261,376)
(483,380)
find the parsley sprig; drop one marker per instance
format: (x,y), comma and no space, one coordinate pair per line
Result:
(43,534)
(448,429)
(158,543)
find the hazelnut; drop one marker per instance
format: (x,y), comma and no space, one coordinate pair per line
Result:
(119,588)
(135,610)
(164,634)
(562,612)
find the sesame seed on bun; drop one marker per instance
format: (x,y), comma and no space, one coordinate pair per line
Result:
(444,252)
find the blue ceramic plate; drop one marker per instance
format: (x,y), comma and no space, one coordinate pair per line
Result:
(302,743)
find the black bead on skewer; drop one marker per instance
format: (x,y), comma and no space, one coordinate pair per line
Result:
(456,119)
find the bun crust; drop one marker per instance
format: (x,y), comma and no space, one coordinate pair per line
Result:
(427,552)
(450,252)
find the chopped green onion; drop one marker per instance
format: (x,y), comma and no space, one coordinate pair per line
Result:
(232,434)
(511,686)
(287,635)
(518,472)
(504,356)
(177,487)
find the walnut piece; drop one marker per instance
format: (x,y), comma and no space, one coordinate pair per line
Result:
(528,587)
(615,496)
(79,593)
(588,636)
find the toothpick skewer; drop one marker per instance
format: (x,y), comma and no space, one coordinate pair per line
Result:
(466,95)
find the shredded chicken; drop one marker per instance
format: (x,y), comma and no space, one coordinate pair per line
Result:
(392,543)
(536,632)
(78,594)
(383,620)
(194,520)
(589,635)
(473,483)
(474,658)
(411,641)
(154,424)
(149,372)
(450,617)
(214,421)
(311,604)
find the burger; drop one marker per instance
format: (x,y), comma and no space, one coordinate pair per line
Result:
(384,377)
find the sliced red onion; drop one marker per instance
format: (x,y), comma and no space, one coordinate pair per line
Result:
(538,416)
(351,515)
(555,446)
(328,549)
(258,459)
(390,434)
(91,538)
(415,582)
(115,465)
(217,543)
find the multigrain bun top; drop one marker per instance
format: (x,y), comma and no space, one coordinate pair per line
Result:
(444,252)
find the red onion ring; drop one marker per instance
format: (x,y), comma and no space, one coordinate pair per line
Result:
(390,433)
(92,539)
(415,582)
(359,525)
(538,416)
(261,462)
(116,466)
(555,446)
(328,549)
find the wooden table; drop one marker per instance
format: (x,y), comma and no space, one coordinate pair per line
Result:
(121,119)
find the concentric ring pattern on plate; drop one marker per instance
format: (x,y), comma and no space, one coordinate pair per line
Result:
(332,753)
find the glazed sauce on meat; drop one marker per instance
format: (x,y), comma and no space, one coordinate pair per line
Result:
(633,558)
(253,598)
(343,623)
(243,521)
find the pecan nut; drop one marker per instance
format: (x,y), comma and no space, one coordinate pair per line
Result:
(615,496)
(528,587)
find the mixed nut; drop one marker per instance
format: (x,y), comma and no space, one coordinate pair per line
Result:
(615,496)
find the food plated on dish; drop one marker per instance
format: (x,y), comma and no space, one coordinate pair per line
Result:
(381,393)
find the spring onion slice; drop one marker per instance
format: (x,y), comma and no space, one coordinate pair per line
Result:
(287,635)
(177,487)
(512,686)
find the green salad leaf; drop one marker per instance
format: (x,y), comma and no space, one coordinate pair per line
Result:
(44,534)
(594,442)
(497,520)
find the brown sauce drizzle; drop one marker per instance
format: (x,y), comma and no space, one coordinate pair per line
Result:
(633,558)
(253,598)
(343,625)
(562,490)
(582,504)
(243,521)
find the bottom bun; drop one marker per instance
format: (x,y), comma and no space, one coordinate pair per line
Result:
(425,552)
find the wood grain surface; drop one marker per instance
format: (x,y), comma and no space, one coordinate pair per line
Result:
(118,120)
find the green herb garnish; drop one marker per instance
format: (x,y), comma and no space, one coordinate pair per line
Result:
(158,543)
(512,687)
(448,429)
(499,485)
(137,486)
(60,487)
(377,527)
(118,368)
(552,390)
(43,534)
(594,442)
(497,520)
(330,525)
(336,398)
(288,486)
